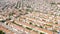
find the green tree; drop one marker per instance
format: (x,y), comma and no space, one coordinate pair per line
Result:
(30,22)
(1,32)
(41,33)
(41,26)
(29,28)
(2,21)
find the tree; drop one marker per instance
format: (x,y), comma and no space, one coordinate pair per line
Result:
(2,21)
(28,6)
(41,33)
(30,23)
(41,26)
(1,32)
(54,30)
(6,23)
(29,28)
